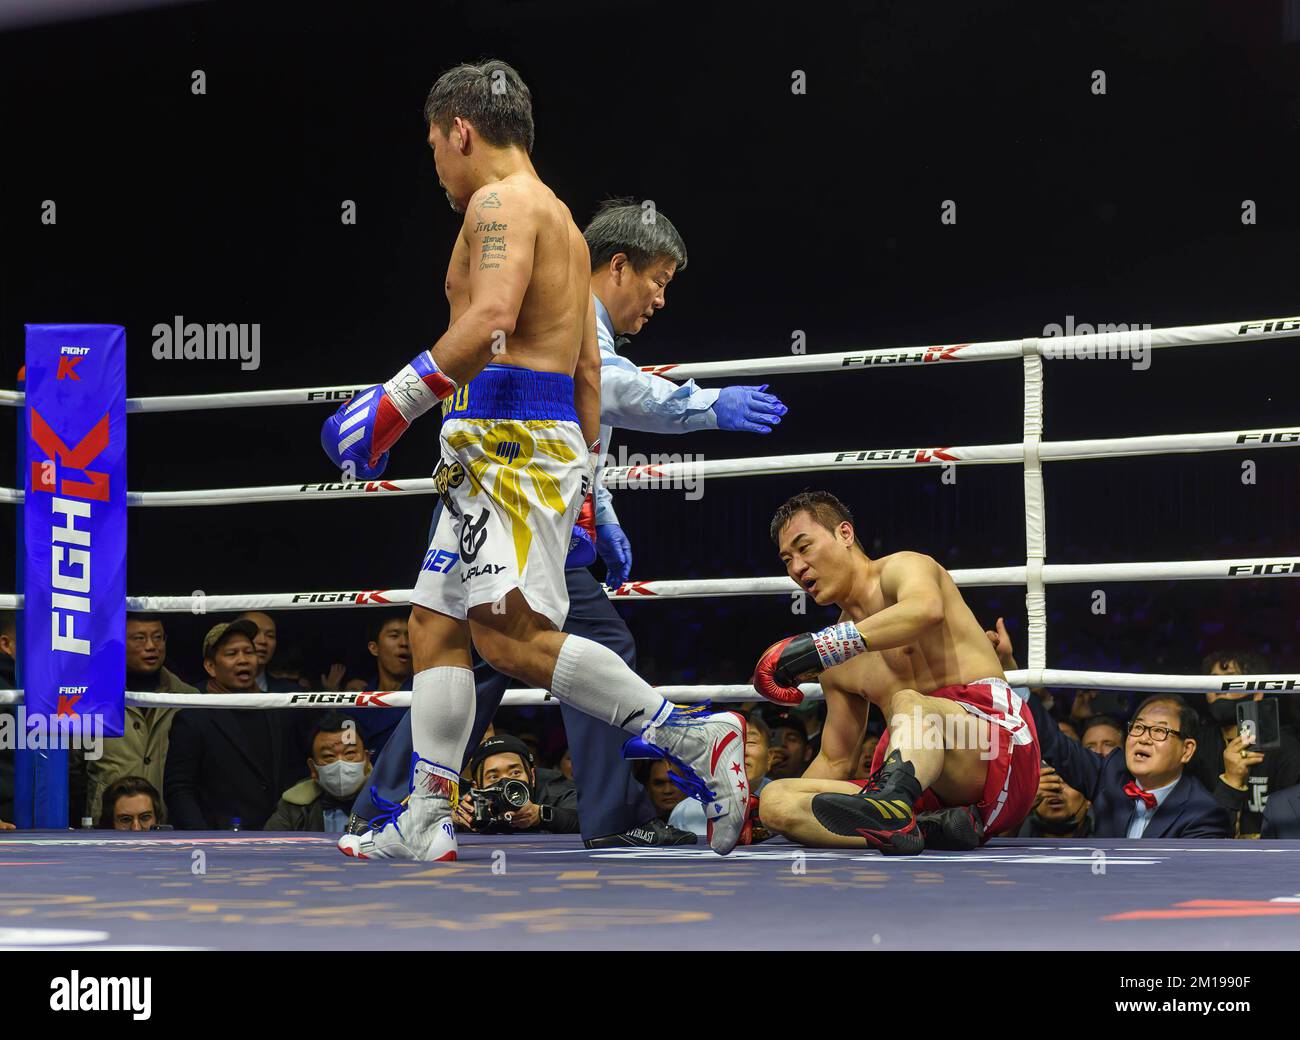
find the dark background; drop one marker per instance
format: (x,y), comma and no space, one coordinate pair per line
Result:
(817,212)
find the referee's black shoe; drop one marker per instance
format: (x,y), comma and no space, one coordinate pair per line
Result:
(653,832)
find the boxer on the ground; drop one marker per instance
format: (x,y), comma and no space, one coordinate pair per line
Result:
(520,445)
(964,758)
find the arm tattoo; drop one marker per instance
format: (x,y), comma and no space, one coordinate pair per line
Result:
(493,253)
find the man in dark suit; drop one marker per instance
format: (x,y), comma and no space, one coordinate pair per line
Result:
(1282,814)
(228,764)
(1144,792)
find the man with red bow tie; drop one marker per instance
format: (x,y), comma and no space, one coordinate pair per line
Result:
(1145,792)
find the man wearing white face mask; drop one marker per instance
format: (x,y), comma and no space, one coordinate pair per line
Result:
(339,765)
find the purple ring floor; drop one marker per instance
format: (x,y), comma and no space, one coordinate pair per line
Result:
(214,890)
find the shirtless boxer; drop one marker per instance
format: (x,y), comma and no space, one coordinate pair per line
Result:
(906,642)
(520,444)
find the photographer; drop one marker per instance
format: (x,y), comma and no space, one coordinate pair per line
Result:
(497,805)
(1059,810)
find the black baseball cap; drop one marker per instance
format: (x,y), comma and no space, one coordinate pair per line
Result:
(502,744)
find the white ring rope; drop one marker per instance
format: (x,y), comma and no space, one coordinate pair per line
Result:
(1030,452)
(991,350)
(657,474)
(1136,682)
(710,588)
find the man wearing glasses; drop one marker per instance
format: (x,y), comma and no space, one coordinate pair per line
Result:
(1143,793)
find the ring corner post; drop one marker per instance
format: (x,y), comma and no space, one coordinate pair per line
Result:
(74,552)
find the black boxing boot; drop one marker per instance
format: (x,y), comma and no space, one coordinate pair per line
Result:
(881,812)
(959,828)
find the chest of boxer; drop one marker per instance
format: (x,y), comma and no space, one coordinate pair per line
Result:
(879,674)
(953,652)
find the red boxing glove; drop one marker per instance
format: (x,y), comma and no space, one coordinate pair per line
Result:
(772,677)
(800,658)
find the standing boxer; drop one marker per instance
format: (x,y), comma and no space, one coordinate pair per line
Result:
(520,445)
(633,260)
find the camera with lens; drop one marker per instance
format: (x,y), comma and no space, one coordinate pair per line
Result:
(491,804)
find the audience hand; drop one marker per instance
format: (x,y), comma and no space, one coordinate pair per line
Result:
(1082,707)
(332,680)
(1001,641)
(1237,760)
(1049,784)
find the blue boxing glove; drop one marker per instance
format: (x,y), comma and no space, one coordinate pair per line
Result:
(358,436)
(349,452)
(748,409)
(616,551)
(582,542)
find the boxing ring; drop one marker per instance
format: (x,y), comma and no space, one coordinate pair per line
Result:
(196,890)
(266,890)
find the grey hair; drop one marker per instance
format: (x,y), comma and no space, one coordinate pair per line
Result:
(491,96)
(636,229)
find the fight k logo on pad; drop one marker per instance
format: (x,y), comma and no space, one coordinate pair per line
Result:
(47,475)
(74,537)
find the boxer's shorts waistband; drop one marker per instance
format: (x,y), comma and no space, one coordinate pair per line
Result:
(511,392)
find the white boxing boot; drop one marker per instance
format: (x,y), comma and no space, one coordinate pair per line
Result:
(707,755)
(420,828)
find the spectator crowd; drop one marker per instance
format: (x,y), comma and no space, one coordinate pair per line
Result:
(1113,764)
